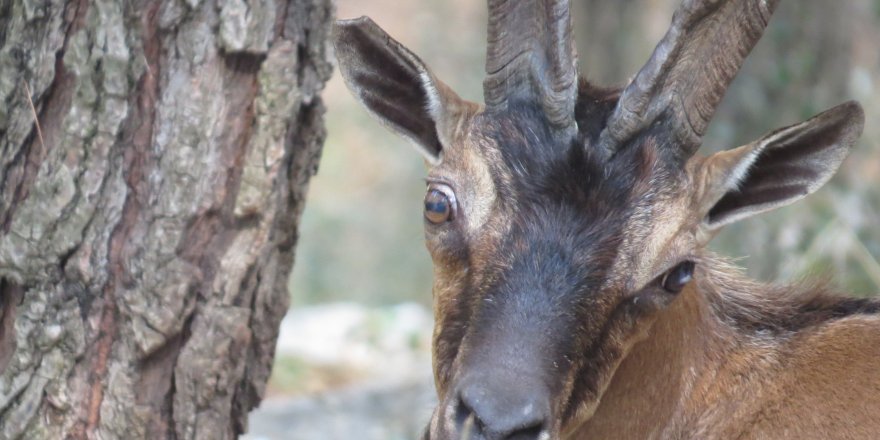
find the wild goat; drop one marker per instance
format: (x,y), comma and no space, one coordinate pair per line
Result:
(574,296)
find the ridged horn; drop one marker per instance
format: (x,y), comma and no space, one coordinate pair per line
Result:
(683,82)
(531,57)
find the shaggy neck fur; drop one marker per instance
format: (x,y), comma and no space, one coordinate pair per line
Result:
(735,359)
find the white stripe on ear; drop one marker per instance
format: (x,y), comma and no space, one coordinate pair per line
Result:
(741,170)
(433,104)
(435,107)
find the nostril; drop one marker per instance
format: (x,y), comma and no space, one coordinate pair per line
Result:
(466,421)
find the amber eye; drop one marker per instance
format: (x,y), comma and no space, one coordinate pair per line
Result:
(439,204)
(678,277)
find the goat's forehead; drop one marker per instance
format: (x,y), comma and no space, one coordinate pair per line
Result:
(512,162)
(502,151)
(516,151)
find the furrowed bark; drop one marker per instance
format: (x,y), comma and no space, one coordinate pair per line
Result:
(154,156)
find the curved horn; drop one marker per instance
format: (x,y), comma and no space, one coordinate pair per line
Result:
(689,71)
(531,56)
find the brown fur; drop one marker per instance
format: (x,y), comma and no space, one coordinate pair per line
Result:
(706,371)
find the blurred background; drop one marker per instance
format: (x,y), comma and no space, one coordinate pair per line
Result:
(353,358)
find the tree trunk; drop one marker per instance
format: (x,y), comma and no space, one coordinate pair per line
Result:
(154,156)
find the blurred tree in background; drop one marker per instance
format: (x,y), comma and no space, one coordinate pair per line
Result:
(362,230)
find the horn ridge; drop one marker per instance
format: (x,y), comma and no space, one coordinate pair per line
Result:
(531,56)
(687,75)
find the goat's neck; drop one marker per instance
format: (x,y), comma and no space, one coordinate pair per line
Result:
(668,380)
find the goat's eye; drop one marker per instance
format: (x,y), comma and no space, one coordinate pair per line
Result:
(678,277)
(440,204)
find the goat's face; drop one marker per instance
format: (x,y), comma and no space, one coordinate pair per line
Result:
(561,218)
(548,262)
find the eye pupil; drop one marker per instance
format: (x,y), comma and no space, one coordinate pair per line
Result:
(436,202)
(678,277)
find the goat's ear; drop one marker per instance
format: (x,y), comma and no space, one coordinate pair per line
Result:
(778,169)
(397,87)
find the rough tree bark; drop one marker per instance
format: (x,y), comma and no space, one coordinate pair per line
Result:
(154,156)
